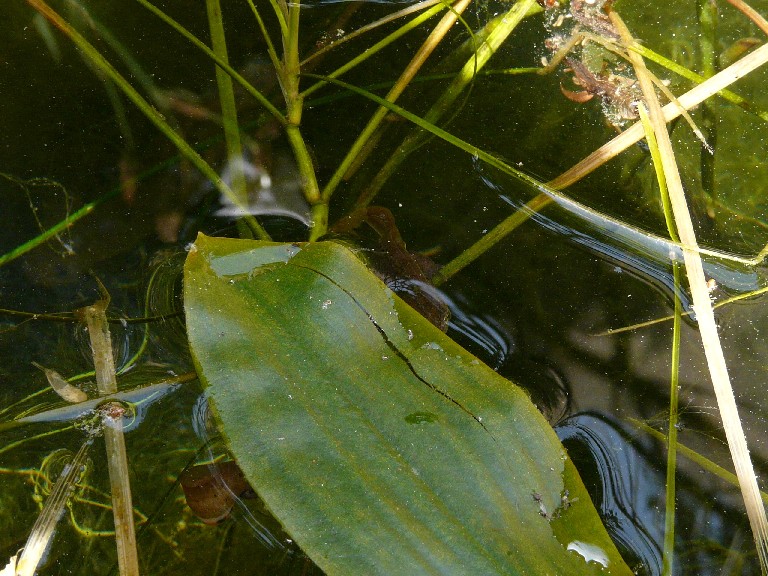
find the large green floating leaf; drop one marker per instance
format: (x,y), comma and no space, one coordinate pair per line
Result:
(381,445)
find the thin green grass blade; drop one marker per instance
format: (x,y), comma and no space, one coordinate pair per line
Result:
(693,456)
(496,235)
(71,219)
(668,554)
(57,228)
(415,64)
(104,33)
(273,57)
(486,157)
(376,48)
(501,27)
(716,305)
(227,100)
(417,7)
(10,446)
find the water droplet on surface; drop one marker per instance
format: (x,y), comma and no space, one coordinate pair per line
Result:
(432,346)
(589,552)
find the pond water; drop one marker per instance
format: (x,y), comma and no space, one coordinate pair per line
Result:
(538,307)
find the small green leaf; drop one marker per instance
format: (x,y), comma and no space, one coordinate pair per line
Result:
(381,445)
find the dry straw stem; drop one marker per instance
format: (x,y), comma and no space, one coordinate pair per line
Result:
(668,554)
(702,304)
(689,100)
(45,525)
(95,317)
(10,568)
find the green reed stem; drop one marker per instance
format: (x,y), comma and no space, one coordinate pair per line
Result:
(271,51)
(289,74)
(493,237)
(228,107)
(693,456)
(429,45)
(499,30)
(378,46)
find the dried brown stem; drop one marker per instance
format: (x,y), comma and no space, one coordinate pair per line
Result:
(95,317)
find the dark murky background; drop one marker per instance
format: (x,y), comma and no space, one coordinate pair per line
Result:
(532,308)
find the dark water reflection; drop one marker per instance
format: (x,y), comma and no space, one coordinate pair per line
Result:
(628,480)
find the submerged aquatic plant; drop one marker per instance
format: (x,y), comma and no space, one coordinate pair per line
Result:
(605,61)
